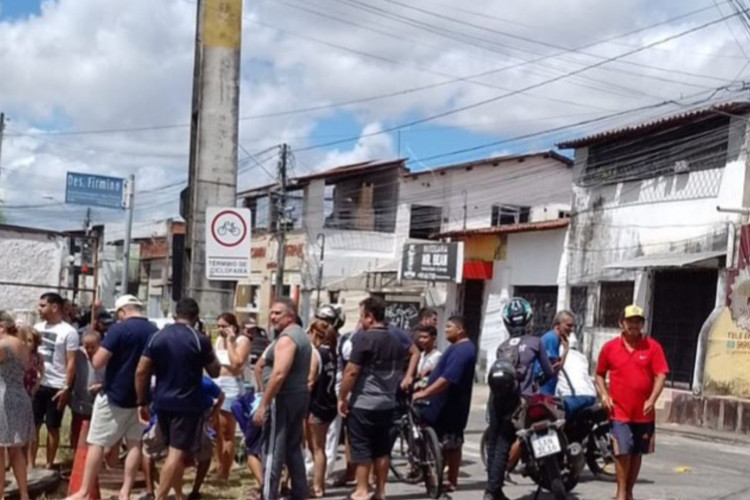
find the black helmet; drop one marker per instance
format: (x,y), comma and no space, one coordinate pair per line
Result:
(332,314)
(517,314)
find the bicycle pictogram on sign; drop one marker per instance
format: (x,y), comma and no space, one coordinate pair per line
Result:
(228,228)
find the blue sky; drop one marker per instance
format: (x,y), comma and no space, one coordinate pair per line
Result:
(18,9)
(95,70)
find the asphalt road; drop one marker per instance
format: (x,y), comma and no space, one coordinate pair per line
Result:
(681,469)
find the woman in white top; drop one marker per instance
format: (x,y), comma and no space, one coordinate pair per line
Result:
(232,351)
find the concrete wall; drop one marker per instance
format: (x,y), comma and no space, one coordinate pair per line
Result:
(29,258)
(532,259)
(543,183)
(727,359)
(674,213)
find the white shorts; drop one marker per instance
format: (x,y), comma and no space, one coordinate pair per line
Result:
(232,388)
(110,423)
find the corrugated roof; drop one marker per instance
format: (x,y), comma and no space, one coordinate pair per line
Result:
(334,173)
(525,227)
(496,160)
(656,125)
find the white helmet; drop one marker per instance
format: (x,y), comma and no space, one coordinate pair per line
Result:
(332,314)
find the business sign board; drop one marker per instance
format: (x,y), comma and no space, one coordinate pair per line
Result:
(95,190)
(227,243)
(433,261)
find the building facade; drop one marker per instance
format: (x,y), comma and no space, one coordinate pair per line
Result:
(645,228)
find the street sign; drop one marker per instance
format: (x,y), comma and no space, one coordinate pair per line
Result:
(433,261)
(95,190)
(227,243)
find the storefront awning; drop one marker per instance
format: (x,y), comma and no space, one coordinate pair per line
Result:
(700,259)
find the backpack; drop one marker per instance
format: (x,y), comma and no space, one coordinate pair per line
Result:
(506,372)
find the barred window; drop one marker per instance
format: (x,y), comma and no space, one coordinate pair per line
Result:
(684,148)
(614,296)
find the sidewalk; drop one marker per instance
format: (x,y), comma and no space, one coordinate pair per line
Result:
(481,394)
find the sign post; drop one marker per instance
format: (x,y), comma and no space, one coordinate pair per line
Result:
(432,262)
(227,243)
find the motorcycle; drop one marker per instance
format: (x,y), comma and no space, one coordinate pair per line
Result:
(552,461)
(591,427)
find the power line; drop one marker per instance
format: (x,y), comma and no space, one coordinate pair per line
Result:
(519,91)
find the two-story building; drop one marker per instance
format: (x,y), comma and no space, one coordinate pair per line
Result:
(645,228)
(355,220)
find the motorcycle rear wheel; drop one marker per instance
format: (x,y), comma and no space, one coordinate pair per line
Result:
(599,464)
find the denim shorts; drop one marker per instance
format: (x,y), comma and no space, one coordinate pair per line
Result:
(633,438)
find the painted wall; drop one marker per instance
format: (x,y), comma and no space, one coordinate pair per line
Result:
(29,258)
(543,183)
(674,213)
(533,259)
(727,359)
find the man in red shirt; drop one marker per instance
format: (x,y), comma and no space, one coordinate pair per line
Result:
(637,370)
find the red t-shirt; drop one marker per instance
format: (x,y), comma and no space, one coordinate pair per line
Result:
(631,376)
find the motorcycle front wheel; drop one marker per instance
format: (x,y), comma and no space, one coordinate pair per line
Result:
(600,456)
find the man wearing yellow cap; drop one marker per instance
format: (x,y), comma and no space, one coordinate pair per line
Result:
(637,370)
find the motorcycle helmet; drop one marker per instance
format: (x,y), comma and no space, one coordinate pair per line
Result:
(332,314)
(517,315)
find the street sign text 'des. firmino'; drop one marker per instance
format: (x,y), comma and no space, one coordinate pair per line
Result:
(227,243)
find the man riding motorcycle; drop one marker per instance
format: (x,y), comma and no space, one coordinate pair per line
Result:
(510,378)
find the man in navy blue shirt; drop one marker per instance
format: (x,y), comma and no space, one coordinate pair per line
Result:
(115,414)
(177,356)
(449,390)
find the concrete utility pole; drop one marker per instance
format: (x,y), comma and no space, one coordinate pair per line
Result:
(2,136)
(281,222)
(212,179)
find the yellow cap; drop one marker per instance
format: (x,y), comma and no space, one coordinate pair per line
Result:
(633,311)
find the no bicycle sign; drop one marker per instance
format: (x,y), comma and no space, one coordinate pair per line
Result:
(227,243)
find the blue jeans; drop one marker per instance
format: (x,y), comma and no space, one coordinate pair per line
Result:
(574,404)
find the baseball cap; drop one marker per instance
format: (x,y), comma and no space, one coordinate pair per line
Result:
(127,300)
(105,317)
(633,311)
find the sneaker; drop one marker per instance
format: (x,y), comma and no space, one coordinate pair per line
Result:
(490,496)
(147,496)
(194,496)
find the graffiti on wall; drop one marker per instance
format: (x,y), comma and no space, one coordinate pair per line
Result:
(402,314)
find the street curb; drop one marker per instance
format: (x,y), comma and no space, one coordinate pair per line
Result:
(698,434)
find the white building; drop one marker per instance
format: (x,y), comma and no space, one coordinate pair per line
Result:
(360,216)
(34,261)
(645,226)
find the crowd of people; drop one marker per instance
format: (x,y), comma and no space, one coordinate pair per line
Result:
(175,396)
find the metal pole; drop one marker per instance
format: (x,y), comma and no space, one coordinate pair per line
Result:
(281,224)
(95,295)
(322,242)
(128,229)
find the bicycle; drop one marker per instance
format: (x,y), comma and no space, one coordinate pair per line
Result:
(420,448)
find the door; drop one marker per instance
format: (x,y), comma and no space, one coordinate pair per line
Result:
(543,300)
(472,308)
(682,300)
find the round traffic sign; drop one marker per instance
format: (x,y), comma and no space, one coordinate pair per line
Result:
(228,228)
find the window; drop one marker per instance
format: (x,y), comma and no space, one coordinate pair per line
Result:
(365,202)
(685,148)
(503,215)
(247,296)
(563,214)
(614,296)
(543,300)
(425,221)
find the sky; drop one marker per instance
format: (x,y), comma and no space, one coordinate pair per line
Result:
(105,87)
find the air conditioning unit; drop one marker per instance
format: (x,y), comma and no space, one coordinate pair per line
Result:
(681,166)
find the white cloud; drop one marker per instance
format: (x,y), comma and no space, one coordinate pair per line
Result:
(92,65)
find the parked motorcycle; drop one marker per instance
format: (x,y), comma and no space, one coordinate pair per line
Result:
(591,427)
(552,461)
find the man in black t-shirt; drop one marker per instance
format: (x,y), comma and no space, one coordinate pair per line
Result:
(177,356)
(371,377)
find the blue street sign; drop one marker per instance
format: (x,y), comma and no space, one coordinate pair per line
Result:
(94,190)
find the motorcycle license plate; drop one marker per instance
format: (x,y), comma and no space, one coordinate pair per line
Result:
(545,444)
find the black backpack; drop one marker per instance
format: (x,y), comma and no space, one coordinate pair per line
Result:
(506,372)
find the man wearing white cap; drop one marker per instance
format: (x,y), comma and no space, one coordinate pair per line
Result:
(115,414)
